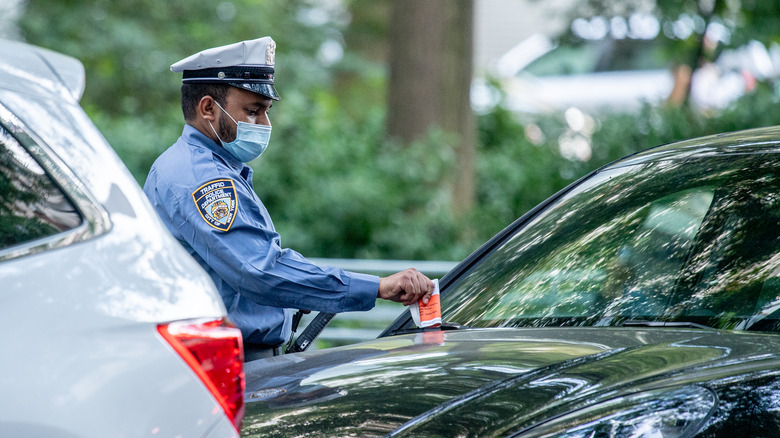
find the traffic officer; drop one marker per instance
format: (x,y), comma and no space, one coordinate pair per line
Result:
(202,190)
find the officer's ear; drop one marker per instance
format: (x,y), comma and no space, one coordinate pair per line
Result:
(207,108)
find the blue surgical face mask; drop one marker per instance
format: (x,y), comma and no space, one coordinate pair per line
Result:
(251,139)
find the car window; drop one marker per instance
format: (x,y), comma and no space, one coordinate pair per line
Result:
(31,205)
(598,56)
(695,241)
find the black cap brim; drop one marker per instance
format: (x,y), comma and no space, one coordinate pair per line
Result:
(266,90)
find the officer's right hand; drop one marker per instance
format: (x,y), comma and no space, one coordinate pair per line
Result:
(406,287)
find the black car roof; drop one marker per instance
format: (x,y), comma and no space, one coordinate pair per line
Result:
(757,140)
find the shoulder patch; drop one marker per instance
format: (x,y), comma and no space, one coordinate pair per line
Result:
(217,203)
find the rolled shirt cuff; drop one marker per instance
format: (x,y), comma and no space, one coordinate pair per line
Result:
(363,290)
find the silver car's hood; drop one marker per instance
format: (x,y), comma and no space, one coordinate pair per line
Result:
(492,381)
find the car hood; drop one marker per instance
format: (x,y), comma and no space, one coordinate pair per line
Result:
(489,381)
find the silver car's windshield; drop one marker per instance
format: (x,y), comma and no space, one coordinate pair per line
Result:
(694,241)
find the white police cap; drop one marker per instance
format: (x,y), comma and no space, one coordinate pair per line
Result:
(248,65)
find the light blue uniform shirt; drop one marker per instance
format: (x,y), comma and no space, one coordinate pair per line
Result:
(205,197)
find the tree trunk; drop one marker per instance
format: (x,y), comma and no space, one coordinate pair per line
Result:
(430,75)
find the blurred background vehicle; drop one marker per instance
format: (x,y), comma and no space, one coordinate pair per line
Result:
(541,75)
(109,327)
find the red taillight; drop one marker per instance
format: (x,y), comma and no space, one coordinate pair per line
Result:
(214,350)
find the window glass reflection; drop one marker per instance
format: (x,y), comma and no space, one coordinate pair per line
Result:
(694,241)
(31,205)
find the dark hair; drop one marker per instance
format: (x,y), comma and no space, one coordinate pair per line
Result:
(191,94)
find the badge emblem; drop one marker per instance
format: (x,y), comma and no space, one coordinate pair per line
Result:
(217,203)
(270,53)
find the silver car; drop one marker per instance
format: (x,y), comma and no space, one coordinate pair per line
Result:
(109,327)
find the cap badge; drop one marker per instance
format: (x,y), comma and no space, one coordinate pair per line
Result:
(270,53)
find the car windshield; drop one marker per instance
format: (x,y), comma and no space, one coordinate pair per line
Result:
(691,242)
(598,56)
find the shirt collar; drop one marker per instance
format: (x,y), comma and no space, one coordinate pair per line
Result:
(192,136)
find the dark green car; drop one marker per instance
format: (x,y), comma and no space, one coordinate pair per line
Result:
(643,300)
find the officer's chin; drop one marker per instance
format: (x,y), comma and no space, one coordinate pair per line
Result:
(225,132)
(227,136)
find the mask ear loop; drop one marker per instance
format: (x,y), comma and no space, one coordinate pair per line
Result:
(212,126)
(223,110)
(215,132)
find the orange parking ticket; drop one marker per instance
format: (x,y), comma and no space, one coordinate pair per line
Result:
(428,315)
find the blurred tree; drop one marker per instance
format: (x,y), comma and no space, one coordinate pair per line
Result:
(127,47)
(360,78)
(430,78)
(692,32)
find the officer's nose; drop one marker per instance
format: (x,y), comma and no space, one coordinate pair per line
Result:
(263,120)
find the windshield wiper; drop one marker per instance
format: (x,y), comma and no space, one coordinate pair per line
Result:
(676,324)
(445,326)
(448,325)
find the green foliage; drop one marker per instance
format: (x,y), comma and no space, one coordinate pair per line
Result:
(336,188)
(333,184)
(128,46)
(663,124)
